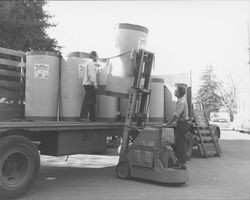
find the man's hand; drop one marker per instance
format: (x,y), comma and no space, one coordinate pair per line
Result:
(169,122)
(165,124)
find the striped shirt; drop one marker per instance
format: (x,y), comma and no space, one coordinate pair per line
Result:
(181,110)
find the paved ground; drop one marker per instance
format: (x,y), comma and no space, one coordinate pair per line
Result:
(93,177)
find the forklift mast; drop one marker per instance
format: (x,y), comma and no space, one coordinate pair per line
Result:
(139,97)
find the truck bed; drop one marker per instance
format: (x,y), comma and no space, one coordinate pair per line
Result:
(58,126)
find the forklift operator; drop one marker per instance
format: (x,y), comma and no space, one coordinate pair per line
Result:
(89,83)
(181,115)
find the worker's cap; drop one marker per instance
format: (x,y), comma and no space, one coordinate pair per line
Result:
(182,85)
(93,53)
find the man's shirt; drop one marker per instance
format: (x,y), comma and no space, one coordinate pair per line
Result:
(90,74)
(181,110)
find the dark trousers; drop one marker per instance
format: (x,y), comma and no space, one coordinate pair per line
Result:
(88,104)
(180,141)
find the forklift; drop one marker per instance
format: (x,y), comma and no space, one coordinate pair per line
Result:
(149,155)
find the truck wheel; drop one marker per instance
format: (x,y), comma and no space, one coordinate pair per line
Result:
(123,170)
(19,165)
(217,133)
(189,145)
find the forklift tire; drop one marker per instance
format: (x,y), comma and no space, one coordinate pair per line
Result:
(189,145)
(19,166)
(123,170)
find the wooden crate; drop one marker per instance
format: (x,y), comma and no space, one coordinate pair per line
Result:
(12,84)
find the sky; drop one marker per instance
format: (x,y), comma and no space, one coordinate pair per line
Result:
(184,35)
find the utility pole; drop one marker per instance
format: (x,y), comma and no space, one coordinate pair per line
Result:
(248,31)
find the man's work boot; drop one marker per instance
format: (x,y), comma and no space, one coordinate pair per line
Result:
(84,119)
(180,167)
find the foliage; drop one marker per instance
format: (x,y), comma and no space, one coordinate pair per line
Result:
(208,92)
(23,26)
(229,96)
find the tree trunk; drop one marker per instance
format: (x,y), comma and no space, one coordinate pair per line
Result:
(231,115)
(208,115)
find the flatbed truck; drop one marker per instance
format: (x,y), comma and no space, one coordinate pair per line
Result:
(22,142)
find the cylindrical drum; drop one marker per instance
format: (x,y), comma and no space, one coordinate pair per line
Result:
(107,108)
(103,70)
(118,86)
(128,37)
(156,104)
(42,85)
(169,104)
(73,70)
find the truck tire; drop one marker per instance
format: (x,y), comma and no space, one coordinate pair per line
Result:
(189,145)
(216,130)
(217,133)
(19,165)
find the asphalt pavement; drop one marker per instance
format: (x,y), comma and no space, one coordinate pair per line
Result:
(92,177)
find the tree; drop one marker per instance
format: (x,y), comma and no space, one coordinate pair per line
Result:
(208,92)
(23,26)
(228,95)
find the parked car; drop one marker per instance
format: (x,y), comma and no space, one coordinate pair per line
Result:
(221,122)
(241,124)
(220,119)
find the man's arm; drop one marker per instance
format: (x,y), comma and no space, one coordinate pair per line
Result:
(91,73)
(178,110)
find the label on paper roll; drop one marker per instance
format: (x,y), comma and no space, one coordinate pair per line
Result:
(41,71)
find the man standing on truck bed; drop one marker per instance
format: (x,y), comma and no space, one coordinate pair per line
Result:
(89,83)
(181,115)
